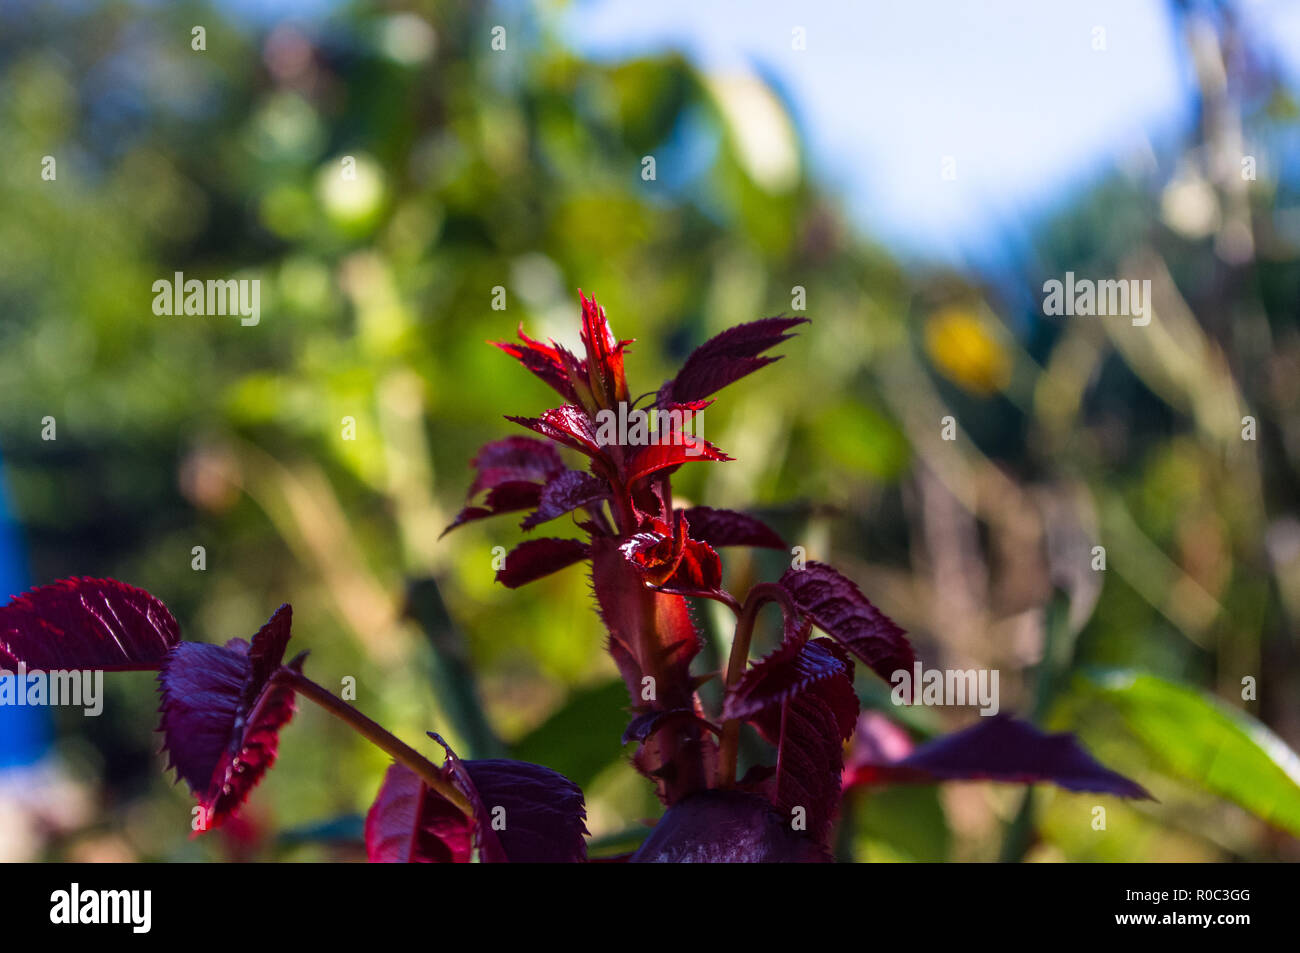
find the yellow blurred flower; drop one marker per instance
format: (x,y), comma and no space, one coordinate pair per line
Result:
(967,350)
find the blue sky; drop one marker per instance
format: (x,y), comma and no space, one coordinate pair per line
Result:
(1012,90)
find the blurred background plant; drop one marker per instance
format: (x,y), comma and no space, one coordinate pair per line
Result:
(317,456)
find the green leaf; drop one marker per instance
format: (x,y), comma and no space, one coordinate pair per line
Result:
(1197,737)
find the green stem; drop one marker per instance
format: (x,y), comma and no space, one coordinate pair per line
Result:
(1055,663)
(377,735)
(1020,834)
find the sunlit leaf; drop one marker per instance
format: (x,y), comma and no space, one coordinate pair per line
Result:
(670,450)
(726,358)
(568,425)
(728,528)
(1201,739)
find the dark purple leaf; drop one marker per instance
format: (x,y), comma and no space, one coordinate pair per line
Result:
(729,528)
(810,761)
(565,493)
(512,460)
(726,827)
(222,711)
(86,623)
(410,823)
(726,358)
(809,730)
(536,558)
(997,748)
(503,498)
(524,813)
(512,472)
(644,725)
(793,668)
(686,411)
(838,608)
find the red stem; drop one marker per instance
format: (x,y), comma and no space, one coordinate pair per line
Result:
(375,733)
(760,595)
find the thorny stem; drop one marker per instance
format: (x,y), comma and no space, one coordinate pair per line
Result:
(760,595)
(666,495)
(375,733)
(624,514)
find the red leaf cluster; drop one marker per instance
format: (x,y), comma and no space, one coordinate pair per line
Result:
(223,706)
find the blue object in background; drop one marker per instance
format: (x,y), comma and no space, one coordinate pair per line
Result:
(24,732)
